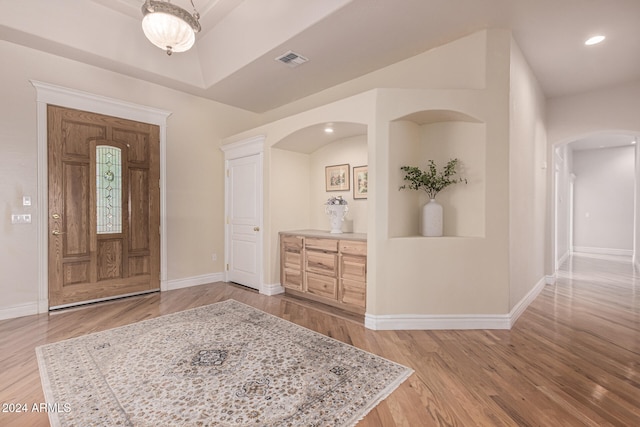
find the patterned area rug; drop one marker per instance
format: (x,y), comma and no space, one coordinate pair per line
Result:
(225,364)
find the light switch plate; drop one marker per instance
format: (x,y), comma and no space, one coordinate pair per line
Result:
(21,219)
(26,201)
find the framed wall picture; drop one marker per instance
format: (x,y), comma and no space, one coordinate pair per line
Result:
(337,177)
(360,182)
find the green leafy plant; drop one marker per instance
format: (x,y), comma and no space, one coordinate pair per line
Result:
(431,180)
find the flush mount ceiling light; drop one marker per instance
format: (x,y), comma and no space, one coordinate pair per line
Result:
(594,40)
(168,26)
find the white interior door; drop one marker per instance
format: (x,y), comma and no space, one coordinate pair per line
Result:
(244,220)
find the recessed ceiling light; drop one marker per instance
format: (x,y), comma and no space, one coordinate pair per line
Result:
(328,130)
(594,40)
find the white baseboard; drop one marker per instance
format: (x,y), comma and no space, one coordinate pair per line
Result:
(193,281)
(271,289)
(522,305)
(392,322)
(603,251)
(563,258)
(19,310)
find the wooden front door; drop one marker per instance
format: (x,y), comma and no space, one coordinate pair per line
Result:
(104,206)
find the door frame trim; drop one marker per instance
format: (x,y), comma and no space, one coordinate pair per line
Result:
(236,150)
(47,93)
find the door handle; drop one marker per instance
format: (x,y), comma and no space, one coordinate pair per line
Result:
(57,232)
(256,228)
(55,216)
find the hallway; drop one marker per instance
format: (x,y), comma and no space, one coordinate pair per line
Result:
(592,314)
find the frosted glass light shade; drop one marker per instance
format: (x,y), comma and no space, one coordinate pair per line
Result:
(169,27)
(168,32)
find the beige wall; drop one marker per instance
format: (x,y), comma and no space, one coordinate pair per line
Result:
(456,65)
(352,151)
(527,180)
(195,184)
(287,207)
(416,275)
(450,275)
(463,203)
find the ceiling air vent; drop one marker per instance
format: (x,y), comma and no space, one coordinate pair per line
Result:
(292,59)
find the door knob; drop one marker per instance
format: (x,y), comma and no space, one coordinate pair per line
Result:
(256,228)
(55,216)
(57,232)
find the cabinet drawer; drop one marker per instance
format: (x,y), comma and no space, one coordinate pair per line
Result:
(353,247)
(330,245)
(292,279)
(291,243)
(322,285)
(353,267)
(353,293)
(321,262)
(292,260)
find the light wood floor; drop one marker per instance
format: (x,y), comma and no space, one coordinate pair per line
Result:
(573,358)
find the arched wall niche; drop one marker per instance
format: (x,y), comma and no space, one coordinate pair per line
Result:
(438,135)
(297,175)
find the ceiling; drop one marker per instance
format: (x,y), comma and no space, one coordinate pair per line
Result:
(233,59)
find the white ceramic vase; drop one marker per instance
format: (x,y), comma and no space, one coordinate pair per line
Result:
(432,219)
(336,216)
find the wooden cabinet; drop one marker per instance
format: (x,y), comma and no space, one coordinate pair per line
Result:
(353,273)
(291,260)
(326,269)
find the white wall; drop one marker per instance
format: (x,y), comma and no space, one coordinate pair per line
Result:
(604,199)
(195,184)
(563,161)
(636,236)
(570,118)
